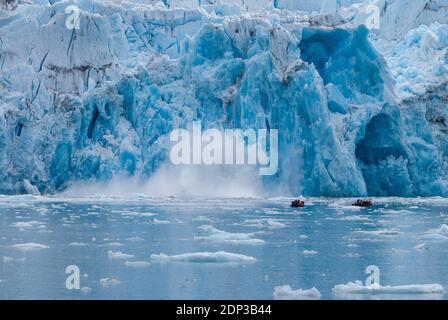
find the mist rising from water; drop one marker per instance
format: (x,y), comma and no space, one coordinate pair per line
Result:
(180,182)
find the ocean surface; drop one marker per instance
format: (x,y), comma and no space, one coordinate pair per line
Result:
(169,248)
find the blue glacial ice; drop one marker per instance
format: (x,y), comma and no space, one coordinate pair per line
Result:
(358,114)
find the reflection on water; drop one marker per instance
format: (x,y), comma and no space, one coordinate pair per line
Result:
(112,240)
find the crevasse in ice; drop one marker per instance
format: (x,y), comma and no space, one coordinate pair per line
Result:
(90,103)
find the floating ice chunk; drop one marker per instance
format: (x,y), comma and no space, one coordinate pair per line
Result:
(421,246)
(210,233)
(135,239)
(113,244)
(252,242)
(359,288)
(109,282)
(26,247)
(377,233)
(9,260)
(440,234)
(391,211)
(264,223)
(137,264)
(86,290)
(274,224)
(352,255)
(138,214)
(156,221)
(29,225)
(443,230)
(434,237)
(399,251)
(78,244)
(286,293)
(203,219)
(355,218)
(204,257)
(349,208)
(119,255)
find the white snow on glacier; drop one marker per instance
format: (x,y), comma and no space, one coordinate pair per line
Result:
(357,114)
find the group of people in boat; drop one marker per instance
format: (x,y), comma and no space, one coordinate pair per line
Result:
(298,203)
(359,203)
(363,203)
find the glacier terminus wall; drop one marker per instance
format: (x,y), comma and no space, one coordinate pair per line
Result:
(360,112)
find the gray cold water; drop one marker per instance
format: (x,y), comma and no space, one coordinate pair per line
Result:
(167,248)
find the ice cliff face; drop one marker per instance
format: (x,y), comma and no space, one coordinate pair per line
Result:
(90,103)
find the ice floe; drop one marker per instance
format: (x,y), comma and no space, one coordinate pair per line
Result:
(26,247)
(29,225)
(204,257)
(443,230)
(203,219)
(10,260)
(434,237)
(135,239)
(287,293)
(359,288)
(161,222)
(210,233)
(264,223)
(376,233)
(119,255)
(440,234)
(86,290)
(138,214)
(421,246)
(273,224)
(137,264)
(77,244)
(355,218)
(109,282)
(111,244)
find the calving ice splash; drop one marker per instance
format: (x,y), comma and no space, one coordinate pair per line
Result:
(226,147)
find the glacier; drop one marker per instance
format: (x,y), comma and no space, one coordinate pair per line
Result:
(360,112)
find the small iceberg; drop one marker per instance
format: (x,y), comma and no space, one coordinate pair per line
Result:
(287,293)
(377,233)
(443,230)
(86,290)
(10,260)
(138,214)
(440,234)
(29,225)
(137,264)
(210,233)
(109,282)
(26,247)
(309,252)
(204,257)
(359,288)
(119,255)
